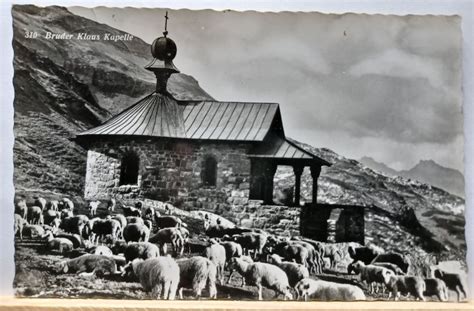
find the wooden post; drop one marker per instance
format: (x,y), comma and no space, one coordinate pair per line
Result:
(298,170)
(315,171)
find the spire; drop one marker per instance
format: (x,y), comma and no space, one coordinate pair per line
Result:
(163,50)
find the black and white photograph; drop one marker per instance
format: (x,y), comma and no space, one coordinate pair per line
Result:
(183,154)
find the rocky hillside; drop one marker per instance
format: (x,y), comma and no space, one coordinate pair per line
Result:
(425,211)
(65,86)
(426,171)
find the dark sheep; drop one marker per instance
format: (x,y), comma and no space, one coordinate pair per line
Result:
(76,224)
(103,227)
(453,281)
(50,216)
(143,250)
(131,211)
(365,254)
(395,258)
(436,287)
(136,232)
(167,221)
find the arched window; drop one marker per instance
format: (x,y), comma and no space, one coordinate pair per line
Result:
(209,171)
(129,169)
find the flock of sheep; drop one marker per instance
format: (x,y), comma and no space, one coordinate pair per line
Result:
(134,245)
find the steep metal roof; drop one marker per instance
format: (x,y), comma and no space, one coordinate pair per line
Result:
(161,116)
(281,148)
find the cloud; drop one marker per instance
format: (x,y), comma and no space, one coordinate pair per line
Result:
(398,63)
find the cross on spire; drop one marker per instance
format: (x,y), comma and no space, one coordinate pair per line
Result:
(166,24)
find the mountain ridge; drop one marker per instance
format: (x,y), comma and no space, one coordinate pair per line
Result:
(426,171)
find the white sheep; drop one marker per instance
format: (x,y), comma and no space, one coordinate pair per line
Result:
(195,273)
(88,264)
(372,274)
(157,275)
(216,253)
(436,287)
(60,244)
(93,206)
(262,274)
(405,284)
(20,223)
(295,272)
(102,250)
(327,291)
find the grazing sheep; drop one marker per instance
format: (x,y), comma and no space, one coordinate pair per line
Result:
(404,284)
(76,224)
(250,241)
(33,231)
(20,223)
(49,216)
(232,249)
(295,252)
(53,205)
(41,202)
(216,253)
(372,274)
(103,227)
(397,259)
(136,232)
(453,281)
(76,239)
(135,220)
(332,252)
(88,264)
(167,221)
(66,203)
(195,273)
(294,271)
(314,260)
(393,267)
(262,274)
(143,250)
(219,230)
(65,213)
(35,215)
(131,211)
(185,234)
(102,250)
(111,204)
(169,235)
(93,206)
(328,291)
(148,223)
(149,213)
(436,287)
(21,209)
(365,254)
(60,244)
(157,275)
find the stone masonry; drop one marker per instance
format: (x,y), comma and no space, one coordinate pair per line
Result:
(169,170)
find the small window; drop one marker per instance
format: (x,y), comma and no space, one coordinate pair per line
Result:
(209,171)
(129,169)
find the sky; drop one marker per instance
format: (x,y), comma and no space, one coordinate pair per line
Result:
(383,86)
